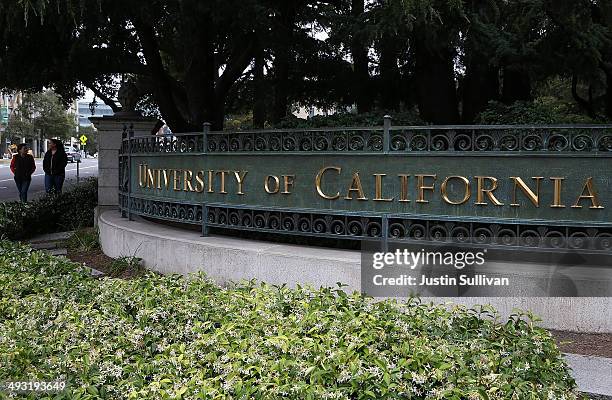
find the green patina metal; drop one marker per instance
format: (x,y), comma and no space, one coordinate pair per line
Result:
(362,194)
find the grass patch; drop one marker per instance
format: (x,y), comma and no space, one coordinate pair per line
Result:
(82,240)
(163,337)
(126,265)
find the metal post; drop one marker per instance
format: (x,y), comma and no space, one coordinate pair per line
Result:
(384,235)
(206,131)
(204,220)
(122,169)
(78,163)
(386,133)
(129,166)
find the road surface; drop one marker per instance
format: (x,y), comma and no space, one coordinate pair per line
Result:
(8,191)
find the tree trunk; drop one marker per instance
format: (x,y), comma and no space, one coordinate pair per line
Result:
(435,82)
(163,87)
(200,73)
(282,59)
(608,96)
(480,85)
(259,90)
(359,51)
(517,86)
(389,74)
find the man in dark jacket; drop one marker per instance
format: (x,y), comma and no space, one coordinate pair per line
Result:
(23,166)
(54,165)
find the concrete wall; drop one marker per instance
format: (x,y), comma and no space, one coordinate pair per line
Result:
(173,250)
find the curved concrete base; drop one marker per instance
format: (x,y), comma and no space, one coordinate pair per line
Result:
(172,250)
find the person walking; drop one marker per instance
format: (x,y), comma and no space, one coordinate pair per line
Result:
(54,165)
(22,167)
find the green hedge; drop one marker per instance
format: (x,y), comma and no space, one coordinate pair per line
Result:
(543,110)
(72,209)
(340,119)
(162,337)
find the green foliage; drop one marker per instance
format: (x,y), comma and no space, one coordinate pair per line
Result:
(544,110)
(73,209)
(163,337)
(193,61)
(41,112)
(85,239)
(122,265)
(350,119)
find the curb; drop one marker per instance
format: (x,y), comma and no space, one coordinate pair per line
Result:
(592,375)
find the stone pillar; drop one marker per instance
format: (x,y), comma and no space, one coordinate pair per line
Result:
(110,128)
(35,148)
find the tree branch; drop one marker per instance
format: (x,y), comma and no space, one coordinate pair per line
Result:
(107,100)
(236,65)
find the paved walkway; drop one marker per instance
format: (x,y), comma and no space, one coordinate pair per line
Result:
(593,374)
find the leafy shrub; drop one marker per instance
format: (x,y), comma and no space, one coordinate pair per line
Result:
(72,209)
(544,110)
(161,337)
(341,119)
(350,119)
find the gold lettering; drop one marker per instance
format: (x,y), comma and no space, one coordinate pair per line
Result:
(288,181)
(379,188)
(533,197)
(276,184)
(177,180)
(158,177)
(355,187)
(150,179)
(187,178)
(318,179)
(167,178)
(592,195)
(222,174)
(557,192)
(466,185)
(240,180)
(404,188)
(488,191)
(210,181)
(199,182)
(421,187)
(142,175)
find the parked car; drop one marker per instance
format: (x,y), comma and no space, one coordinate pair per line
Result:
(73,155)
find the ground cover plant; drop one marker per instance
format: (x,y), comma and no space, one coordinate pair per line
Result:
(162,337)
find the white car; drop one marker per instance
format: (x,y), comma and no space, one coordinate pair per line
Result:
(73,155)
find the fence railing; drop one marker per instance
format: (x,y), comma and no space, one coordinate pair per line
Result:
(589,141)
(387,139)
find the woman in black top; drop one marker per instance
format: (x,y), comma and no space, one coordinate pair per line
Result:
(23,166)
(54,165)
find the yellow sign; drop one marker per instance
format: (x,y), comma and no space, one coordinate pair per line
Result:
(83,139)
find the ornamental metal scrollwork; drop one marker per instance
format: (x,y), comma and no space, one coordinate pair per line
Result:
(401,139)
(398,228)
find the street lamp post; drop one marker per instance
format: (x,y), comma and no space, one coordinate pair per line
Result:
(93,105)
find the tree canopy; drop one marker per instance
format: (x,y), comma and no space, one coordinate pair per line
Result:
(199,61)
(41,115)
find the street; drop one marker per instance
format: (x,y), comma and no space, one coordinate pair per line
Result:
(8,191)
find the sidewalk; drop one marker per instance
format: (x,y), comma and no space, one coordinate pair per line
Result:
(593,374)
